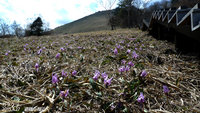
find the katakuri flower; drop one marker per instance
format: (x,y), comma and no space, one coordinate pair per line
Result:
(165,89)
(104,75)
(37,67)
(7,53)
(128,51)
(58,55)
(123,62)
(74,72)
(39,52)
(64,73)
(107,81)
(144,73)
(96,75)
(54,78)
(119,46)
(115,51)
(135,55)
(127,68)
(141,98)
(62,49)
(122,69)
(64,93)
(130,64)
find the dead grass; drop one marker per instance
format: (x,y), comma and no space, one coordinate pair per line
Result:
(22,86)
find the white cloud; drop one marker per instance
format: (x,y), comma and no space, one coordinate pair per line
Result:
(56,12)
(53,11)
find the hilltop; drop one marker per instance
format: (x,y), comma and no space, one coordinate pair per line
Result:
(94,22)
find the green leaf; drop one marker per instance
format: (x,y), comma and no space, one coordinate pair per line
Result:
(93,84)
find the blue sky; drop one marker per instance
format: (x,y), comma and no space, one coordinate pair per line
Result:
(55,12)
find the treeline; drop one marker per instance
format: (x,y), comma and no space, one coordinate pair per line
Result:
(35,28)
(130,13)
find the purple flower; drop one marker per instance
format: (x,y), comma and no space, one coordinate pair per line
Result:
(64,93)
(104,75)
(119,46)
(115,51)
(39,52)
(37,67)
(128,51)
(122,69)
(54,78)
(107,81)
(79,47)
(143,74)
(58,55)
(165,89)
(127,68)
(130,64)
(6,54)
(64,73)
(123,62)
(135,55)
(66,44)
(141,98)
(122,41)
(96,75)
(62,49)
(74,72)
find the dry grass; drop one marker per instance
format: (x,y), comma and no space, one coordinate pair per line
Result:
(21,86)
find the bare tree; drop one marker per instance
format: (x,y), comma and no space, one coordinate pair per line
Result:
(4,28)
(17,29)
(107,5)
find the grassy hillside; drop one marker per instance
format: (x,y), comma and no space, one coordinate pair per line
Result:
(94,22)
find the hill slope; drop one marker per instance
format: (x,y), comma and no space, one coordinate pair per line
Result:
(93,22)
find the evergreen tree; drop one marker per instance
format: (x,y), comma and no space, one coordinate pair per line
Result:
(36,27)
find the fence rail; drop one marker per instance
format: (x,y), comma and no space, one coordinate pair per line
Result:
(181,26)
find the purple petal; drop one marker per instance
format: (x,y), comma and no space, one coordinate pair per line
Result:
(58,55)
(130,64)
(54,78)
(165,89)
(143,74)
(115,51)
(141,98)
(104,75)
(74,72)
